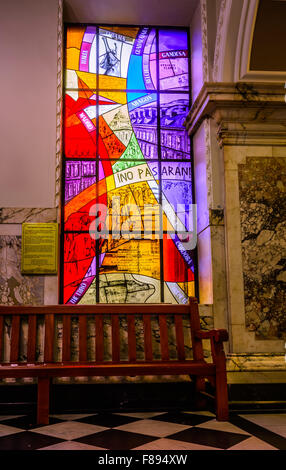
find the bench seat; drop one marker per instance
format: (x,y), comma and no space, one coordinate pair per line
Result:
(74,369)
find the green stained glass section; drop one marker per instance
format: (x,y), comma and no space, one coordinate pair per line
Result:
(131,157)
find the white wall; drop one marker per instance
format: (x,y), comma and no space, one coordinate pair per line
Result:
(28,51)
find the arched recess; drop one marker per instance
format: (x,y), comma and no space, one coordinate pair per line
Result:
(234,39)
(226,40)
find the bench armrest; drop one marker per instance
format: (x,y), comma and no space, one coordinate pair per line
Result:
(216,338)
(217,335)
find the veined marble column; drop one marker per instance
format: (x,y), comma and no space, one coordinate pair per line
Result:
(239,142)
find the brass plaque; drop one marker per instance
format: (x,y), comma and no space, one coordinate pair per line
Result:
(39,248)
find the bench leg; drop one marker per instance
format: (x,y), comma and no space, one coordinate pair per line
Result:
(200,386)
(221,394)
(43,400)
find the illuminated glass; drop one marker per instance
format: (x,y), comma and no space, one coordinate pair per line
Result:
(127,165)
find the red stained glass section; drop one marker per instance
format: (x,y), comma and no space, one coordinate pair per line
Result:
(175,268)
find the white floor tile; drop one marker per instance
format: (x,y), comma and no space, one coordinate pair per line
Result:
(72,416)
(6,430)
(69,430)
(278,419)
(170,444)
(222,426)
(203,413)
(5,417)
(151,427)
(253,443)
(142,415)
(281,430)
(71,445)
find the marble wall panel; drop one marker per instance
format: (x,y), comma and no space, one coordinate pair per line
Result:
(262,190)
(15,288)
(20,215)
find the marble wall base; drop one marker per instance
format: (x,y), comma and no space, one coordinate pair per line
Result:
(270,362)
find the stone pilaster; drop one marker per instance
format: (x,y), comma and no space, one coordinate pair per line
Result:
(248,139)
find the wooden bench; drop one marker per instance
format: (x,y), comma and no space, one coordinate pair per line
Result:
(180,316)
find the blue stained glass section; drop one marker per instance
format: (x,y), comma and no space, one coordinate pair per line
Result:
(135,79)
(144,100)
(142,65)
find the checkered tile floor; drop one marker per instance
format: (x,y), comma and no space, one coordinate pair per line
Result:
(145,431)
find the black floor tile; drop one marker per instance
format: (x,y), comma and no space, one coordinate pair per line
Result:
(259,431)
(27,440)
(114,439)
(209,437)
(183,418)
(108,420)
(27,422)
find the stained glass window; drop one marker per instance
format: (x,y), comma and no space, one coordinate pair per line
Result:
(127,166)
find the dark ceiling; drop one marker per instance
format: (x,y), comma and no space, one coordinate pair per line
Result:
(135,12)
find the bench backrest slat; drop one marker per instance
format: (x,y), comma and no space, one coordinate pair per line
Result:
(99,338)
(49,337)
(147,338)
(66,354)
(179,337)
(115,341)
(131,338)
(15,338)
(83,338)
(164,338)
(1,336)
(32,337)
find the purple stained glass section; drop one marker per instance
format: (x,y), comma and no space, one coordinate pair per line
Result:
(86,45)
(175,142)
(79,175)
(173,60)
(176,178)
(143,117)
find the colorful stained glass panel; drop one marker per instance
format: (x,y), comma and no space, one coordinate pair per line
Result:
(127,170)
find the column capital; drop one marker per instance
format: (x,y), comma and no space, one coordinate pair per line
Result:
(246,113)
